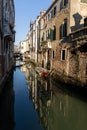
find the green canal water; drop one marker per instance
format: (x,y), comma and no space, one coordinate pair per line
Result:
(29,102)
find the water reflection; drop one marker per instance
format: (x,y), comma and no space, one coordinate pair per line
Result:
(26,116)
(56,108)
(39,104)
(7,106)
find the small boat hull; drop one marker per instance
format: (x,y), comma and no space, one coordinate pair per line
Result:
(42,72)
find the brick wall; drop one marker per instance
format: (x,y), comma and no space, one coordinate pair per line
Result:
(83,67)
(73,65)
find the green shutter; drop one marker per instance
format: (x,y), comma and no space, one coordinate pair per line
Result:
(61,31)
(51,34)
(52,14)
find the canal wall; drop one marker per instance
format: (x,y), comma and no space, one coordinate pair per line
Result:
(62,78)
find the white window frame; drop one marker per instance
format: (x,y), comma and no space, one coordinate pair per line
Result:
(63,59)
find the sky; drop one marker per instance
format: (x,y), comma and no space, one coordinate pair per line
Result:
(26,11)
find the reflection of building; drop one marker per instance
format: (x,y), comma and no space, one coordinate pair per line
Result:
(56,108)
(7,106)
(40,94)
(7,37)
(23,67)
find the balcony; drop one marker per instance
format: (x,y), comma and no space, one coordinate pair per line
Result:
(78,35)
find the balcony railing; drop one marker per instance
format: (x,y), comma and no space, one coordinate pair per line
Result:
(80,34)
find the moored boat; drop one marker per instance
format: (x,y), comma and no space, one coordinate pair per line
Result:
(42,71)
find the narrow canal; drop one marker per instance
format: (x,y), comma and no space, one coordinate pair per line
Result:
(29,102)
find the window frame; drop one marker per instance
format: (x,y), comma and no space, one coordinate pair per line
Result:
(63,54)
(53,54)
(63,4)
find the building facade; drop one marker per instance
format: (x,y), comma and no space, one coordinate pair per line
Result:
(62,31)
(34,36)
(1,40)
(24,46)
(7,37)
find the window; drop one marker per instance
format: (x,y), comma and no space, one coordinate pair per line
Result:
(53,34)
(63,55)
(48,34)
(63,4)
(49,16)
(42,37)
(60,5)
(63,29)
(85,22)
(53,54)
(54,11)
(52,14)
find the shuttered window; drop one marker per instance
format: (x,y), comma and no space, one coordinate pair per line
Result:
(63,3)
(53,34)
(63,29)
(54,10)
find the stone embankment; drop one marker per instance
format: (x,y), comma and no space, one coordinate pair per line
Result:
(62,78)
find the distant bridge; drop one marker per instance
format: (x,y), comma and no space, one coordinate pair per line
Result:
(17,54)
